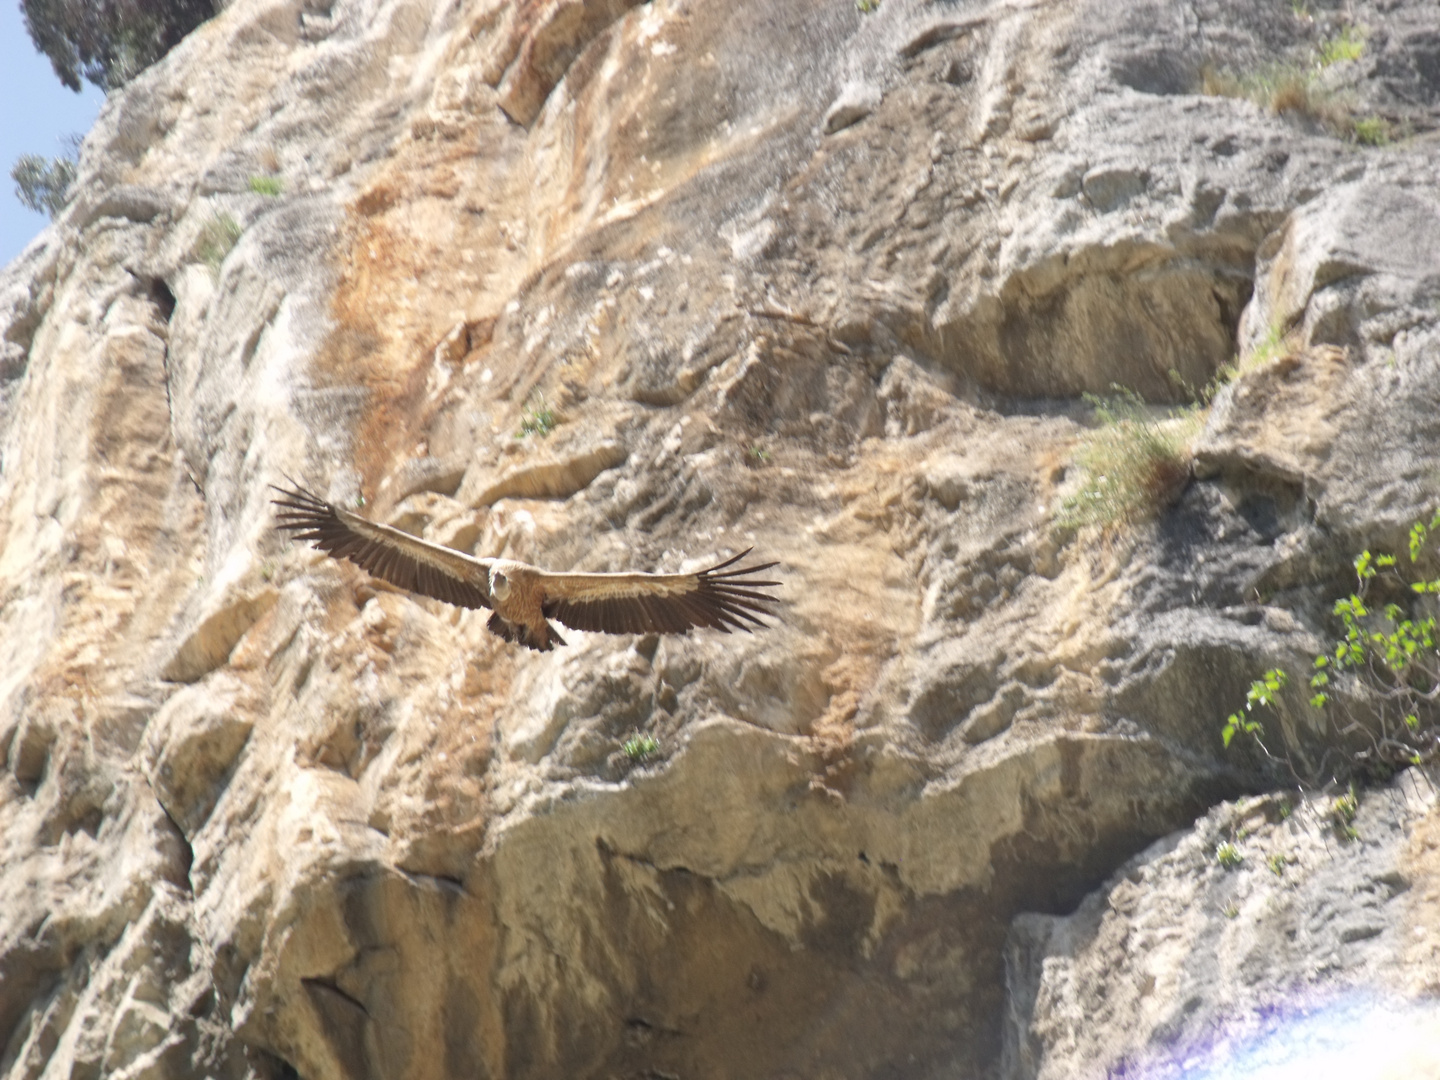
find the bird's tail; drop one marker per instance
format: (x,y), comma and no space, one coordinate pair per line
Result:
(542,640)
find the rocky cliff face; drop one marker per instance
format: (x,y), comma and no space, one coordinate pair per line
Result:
(781,274)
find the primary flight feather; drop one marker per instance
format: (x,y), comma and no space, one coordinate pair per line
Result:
(524,598)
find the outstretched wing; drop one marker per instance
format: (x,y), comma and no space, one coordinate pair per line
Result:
(389,554)
(718,598)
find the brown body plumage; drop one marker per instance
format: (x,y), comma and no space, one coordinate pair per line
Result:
(525,598)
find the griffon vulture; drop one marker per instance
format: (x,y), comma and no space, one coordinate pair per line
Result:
(524,598)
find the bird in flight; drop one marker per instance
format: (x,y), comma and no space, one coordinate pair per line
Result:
(525,598)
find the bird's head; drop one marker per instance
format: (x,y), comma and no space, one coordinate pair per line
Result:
(499,584)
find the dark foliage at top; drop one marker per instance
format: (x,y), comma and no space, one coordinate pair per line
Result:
(109,42)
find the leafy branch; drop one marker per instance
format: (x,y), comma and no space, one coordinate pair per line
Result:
(1386,659)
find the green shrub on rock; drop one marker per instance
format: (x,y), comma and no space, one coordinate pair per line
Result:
(1377,687)
(1131,466)
(43,184)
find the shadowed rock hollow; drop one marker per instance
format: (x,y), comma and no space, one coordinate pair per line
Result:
(781,274)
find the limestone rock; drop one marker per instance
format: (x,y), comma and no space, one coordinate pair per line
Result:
(1178,947)
(856,101)
(193,743)
(545,474)
(210,644)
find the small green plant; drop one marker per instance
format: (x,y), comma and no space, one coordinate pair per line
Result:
(640,747)
(1276,863)
(1295,88)
(866,7)
(1263,691)
(359,501)
(216,240)
(1272,346)
(1348,44)
(1343,811)
(1286,809)
(1231,910)
(1228,855)
(1387,658)
(758,454)
(1131,465)
(537,418)
(267,185)
(1371,130)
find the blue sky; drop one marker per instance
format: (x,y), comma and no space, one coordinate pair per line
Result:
(38,111)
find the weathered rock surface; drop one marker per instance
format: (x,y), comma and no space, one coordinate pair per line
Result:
(1179,955)
(783,275)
